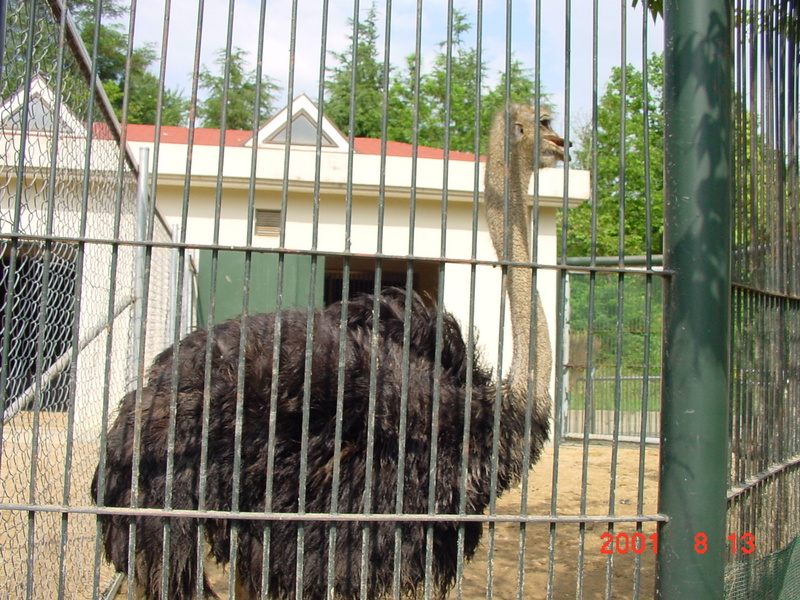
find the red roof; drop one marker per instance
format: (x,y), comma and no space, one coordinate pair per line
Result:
(180,135)
(373,146)
(211,137)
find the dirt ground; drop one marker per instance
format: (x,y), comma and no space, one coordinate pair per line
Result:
(579,568)
(576,550)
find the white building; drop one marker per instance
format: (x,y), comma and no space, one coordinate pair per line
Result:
(346,182)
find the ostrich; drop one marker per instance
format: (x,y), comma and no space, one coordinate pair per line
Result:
(448,375)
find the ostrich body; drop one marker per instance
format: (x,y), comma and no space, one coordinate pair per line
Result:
(448,377)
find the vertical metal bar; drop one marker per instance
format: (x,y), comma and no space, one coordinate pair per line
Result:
(533,238)
(648,298)
(405,377)
(189,308)
(588,416)
(141,233)
(3,5)
(617,390)
(562,310)
(692,491)
(437,360)
(471,342)
(498,392)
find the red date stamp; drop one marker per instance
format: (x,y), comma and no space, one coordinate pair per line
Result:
(744,543)
(639,543)
(622,543)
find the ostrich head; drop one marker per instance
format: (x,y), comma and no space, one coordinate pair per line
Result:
(526,135)
(551,144)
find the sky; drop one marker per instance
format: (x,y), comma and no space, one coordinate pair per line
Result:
(299,24)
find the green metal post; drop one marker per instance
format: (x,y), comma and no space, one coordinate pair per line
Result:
(697,101)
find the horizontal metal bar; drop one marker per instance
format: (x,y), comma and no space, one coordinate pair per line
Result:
(604,437)
(765,293)
(655,260)
(761,476)
(325,253)
(329,517)
(608,378)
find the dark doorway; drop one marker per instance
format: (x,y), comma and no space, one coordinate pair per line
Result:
(394,273)
(37,292)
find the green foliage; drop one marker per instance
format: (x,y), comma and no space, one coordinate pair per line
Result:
(614,301)
(110,63)
(112,47)
(402,96)
(614,309)
(369,89)
(656,7)
(444,99)
(464,75)
(623,174)
(240,93)
(142,105)
(456,113)
(112,52)
(83,11)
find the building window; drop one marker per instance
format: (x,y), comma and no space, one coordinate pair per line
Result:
(304,133)
(268,222)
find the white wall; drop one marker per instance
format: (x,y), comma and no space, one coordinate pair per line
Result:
(331,234)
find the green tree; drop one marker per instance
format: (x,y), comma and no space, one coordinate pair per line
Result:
(420,105)
(83,11)
(465,75)
(623,175)
(458,115)
(240,93)
(618,145)
(367,95)
(112,51)
(403,93)
(608,314)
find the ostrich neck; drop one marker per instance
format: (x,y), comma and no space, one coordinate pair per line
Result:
(518,280)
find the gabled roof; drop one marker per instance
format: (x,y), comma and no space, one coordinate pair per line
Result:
(42,111)
(304,131)
(235,138)
(304,128)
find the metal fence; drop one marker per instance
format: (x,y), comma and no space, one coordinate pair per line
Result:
(613,391)
(615,408)
(765,373)
(106,264)
(68,221)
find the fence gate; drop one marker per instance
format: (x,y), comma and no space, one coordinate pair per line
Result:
(456,215)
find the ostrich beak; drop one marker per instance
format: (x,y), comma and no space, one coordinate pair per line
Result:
(556,146)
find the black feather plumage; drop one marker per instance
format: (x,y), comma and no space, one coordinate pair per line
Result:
(450,379)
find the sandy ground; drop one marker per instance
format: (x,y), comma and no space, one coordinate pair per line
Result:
(579,569)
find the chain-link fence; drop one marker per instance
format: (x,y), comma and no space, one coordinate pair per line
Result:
(68,296)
